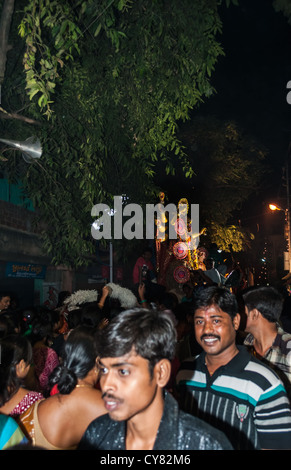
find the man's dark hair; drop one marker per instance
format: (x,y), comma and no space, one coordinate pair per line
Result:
(151,334)
(267,300)
(219,297)
(5,294)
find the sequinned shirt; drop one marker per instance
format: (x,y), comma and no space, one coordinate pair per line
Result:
(177,431)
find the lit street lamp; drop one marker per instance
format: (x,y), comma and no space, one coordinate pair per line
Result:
(287,255)
(274,207)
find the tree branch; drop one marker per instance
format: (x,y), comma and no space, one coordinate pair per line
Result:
(5,115)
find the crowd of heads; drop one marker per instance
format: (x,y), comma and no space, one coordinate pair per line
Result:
(37,323)
(164,330)
(126,329)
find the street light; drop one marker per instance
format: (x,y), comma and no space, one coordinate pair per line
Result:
(287,255)
(31,148)
(274,207)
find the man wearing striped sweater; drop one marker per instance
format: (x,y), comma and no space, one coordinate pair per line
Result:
(229,388)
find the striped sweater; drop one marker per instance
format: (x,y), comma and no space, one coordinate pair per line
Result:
(245,399)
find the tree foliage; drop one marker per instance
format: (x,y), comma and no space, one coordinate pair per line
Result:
(229,166)
(108,81)
(284,7)
(230,238)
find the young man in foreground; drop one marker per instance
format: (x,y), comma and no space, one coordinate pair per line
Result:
(136,350)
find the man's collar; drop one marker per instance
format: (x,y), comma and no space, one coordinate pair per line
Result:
(239,360)
(165,439)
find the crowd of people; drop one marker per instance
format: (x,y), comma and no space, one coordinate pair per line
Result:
(143,369)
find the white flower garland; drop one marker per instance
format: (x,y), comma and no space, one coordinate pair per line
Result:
(81,297)
(126,298)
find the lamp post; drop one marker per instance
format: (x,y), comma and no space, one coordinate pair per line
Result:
(287,255)
(97,226)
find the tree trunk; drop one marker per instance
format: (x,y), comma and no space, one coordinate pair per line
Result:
(5,22)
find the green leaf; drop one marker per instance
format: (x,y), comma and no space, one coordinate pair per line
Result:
(98,29)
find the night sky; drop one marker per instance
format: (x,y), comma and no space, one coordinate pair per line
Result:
(251,85)
(251,90)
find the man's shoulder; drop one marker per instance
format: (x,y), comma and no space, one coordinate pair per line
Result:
(191,369)
(210,436)
(285,338)
(192,363)
(256,375)
(98,430)
(98,425)
(101,419)
(188,431)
